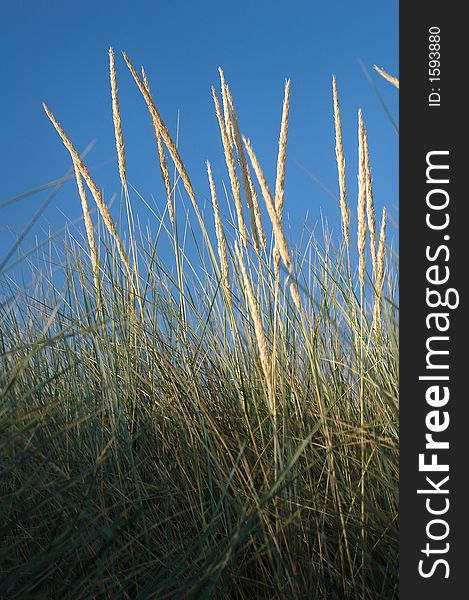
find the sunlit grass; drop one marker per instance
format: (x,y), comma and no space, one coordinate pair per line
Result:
(191,428)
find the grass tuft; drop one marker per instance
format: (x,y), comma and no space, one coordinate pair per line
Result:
(237,436)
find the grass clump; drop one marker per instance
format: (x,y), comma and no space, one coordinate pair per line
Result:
(217,427)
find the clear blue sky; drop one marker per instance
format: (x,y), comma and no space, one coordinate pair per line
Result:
(58,52)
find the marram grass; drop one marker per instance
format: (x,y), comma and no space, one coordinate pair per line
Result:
(236,437)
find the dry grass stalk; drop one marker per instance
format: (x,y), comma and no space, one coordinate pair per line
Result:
(88,226)
(255,205)
(370,204)
(390,78)
(257,226)
(230,163)
(379,275)
(340,157)
(222,253)
(361,207)
(165,176)
(162,159)
(258,328)
(116,117)
(270,204)
(282,152)
(160,126)
(281,163)
(103,208)
(295,294)
(279,235)
(225,102)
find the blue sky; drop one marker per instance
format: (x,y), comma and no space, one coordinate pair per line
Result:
(58,52)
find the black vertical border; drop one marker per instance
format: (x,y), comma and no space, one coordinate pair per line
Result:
(423,129)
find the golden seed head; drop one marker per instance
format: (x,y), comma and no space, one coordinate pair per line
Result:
(361,205)
(385,75)
(340,157)
(116,117)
